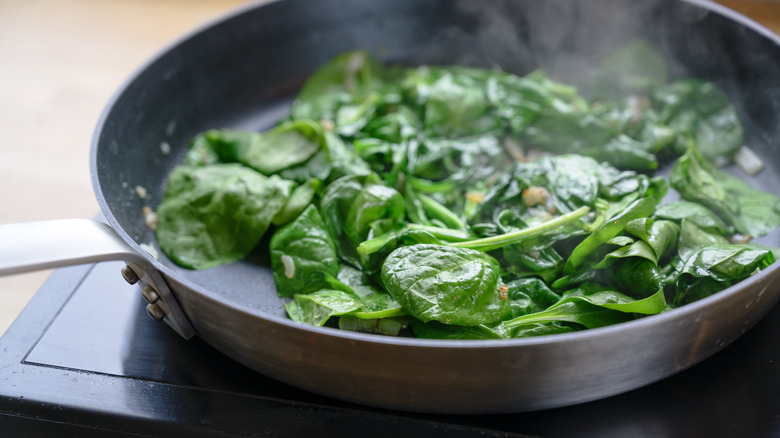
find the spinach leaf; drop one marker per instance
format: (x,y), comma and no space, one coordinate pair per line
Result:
(373,311)
(344,160)
(373,252)
(438,330)
(513,237)
(637,277)
(217,214)
(287,145)
(700,215)
(714,268)
(748,210)
(334,207)
(375,209)
(399,124)
(318,167)
(303,255)
(299,199)
(692,239)
(284,146)
(358,207)
(317,307)
(659,235)
(593,307)
(391,326)
(450,285)
(453,101)
(529,295)
(642,207)
(375,303)
(638,248)
(702,111)
(336,82)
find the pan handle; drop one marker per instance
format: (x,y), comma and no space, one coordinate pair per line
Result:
(35,246)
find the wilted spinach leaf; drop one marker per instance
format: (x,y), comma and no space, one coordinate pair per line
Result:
(693,212)
(335,83)
(445,284)
(303,256)
(748,210)
(593,307)
(714,268)
(702,111)
(317,307)
(286,145)
(217,214)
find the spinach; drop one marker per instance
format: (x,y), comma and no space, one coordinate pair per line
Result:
(748,210)
(317,307)
(437,330)
(375,209)
(713,268)
(299,199)
(382,326)
(592,306)
(693,212)
(452,101)
(457,202)
(445,284)
(612,227)
(338,81)
(378,311)
(285,146)
(693,238)
(700,110)
(217,214)
(303,255)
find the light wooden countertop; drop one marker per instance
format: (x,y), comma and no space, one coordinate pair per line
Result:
(60,61)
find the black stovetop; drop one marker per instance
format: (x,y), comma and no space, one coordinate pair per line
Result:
(84,359)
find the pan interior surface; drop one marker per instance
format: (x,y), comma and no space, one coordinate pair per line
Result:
(244,71)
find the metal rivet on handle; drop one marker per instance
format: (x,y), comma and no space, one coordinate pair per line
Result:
(129,275)
(149,294)
(155,312)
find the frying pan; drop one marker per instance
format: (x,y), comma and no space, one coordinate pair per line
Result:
(243,72)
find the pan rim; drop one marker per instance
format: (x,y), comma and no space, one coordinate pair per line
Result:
(669,317)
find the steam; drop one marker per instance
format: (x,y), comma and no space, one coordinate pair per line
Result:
(565,38)
(568,39)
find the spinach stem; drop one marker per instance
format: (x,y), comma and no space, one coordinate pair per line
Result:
(425,186)
(447,234)
(438,211)
(494,242)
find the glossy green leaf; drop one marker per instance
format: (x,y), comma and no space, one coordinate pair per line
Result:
(642,207)
(317,307)
(303,255)
(702,111)
(441,283)
(217,214)
(693,212)
(748,210)
(594,308)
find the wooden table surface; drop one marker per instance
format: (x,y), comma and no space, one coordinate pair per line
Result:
(60,61)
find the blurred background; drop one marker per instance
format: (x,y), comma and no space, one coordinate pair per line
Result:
(60,62)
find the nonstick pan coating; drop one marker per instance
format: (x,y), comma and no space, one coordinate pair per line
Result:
(243,72)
